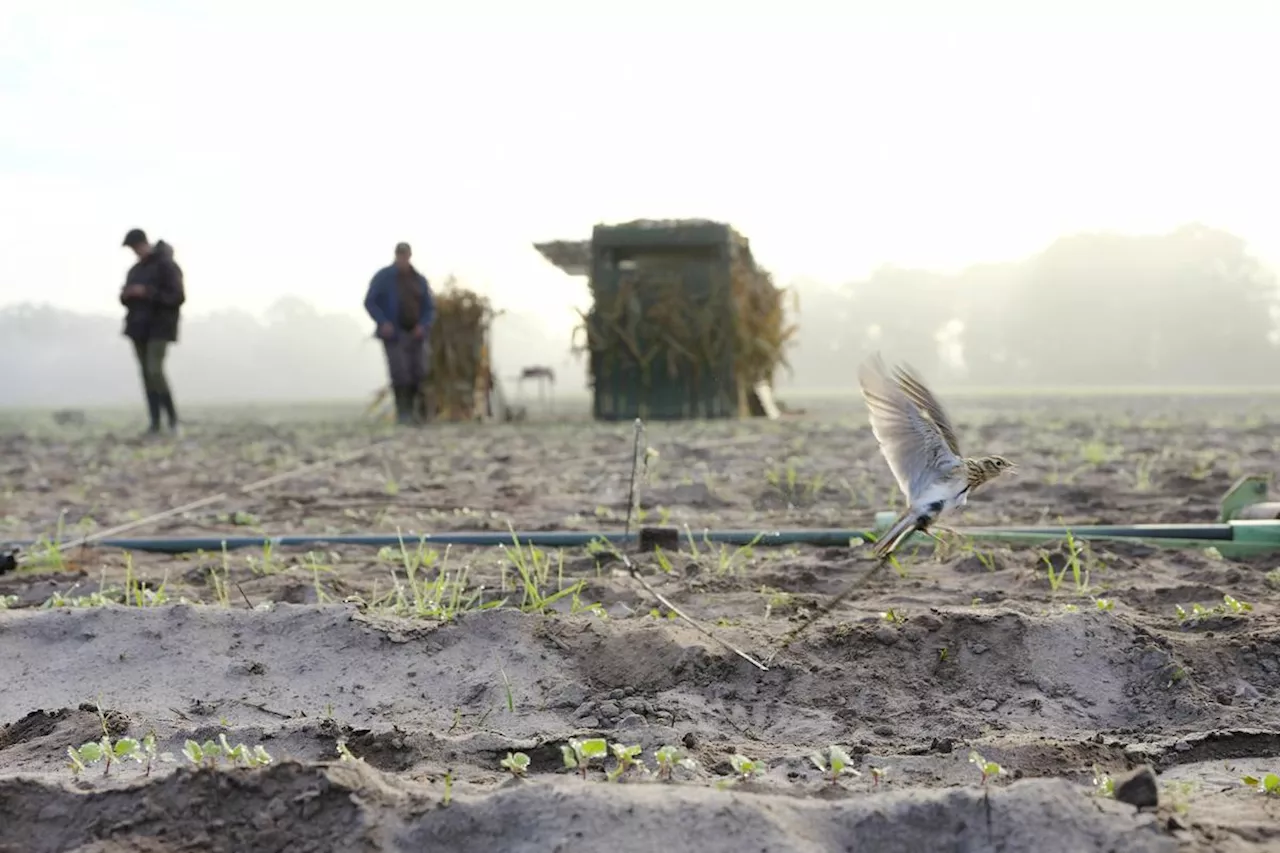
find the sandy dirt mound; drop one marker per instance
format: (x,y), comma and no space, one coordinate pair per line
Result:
(300,808)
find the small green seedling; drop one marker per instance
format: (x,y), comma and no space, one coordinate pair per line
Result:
(877,775)
(669,758)
(1197,611)
(109,752)
(150,756)
(92,752)
(744,767)
(197,754)
(1104,603)
(85,755)
(893,616)
(627,757)
(209,753)
(256,757)
(517,763)
(1229,607)
(989,768)
(1103,785)
(834,764)
(578,753)
(1269,784)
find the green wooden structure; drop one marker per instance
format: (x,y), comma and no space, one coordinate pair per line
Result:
(679,311)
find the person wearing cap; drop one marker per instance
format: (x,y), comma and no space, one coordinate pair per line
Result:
(153,295)
(400,303)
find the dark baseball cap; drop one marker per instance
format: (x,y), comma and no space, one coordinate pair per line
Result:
(403,249)
(135,237)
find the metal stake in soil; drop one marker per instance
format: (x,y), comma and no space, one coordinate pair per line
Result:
(635,463)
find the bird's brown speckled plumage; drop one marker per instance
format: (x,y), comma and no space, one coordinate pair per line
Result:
(920,445)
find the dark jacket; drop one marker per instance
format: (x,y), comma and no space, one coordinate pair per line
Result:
(154,316)
(383,299)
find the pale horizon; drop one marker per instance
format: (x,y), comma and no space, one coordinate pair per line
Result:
(285,152)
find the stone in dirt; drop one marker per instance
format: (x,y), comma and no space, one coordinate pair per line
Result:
(1138,788)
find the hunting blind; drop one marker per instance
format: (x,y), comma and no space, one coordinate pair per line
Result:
(683,323)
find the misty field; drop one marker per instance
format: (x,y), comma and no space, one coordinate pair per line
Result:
(398,693)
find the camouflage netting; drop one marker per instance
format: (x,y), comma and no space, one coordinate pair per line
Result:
(685,327)
(460,377)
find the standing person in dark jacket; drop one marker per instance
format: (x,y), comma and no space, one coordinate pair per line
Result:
(400,303)
(153,294)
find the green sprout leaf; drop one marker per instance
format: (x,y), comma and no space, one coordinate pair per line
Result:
(988,768)
(595,747)
(517,763)
(1103,785)
(1268,784)
(127,747)
(744,767)
(835,763)
(627,757)
(580,752)
(668,758)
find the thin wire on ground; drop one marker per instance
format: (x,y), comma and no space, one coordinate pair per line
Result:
(638,578)
(257,485)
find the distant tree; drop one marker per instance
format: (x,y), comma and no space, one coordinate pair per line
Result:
(1189,307)
(832,336)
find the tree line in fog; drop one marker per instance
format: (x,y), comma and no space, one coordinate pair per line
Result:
(1191,307)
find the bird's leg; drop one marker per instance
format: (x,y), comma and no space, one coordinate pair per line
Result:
(952,535)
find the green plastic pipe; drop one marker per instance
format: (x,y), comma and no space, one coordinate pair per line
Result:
(1234,538)
(540,538)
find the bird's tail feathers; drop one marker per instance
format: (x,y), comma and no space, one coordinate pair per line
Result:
(904,526)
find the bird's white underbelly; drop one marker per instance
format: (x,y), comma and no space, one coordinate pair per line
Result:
(952,495)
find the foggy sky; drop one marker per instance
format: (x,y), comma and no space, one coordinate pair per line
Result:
(285,148)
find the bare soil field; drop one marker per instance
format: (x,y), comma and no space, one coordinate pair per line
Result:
(389,686)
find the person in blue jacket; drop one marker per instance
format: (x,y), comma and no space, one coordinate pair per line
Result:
(400,303)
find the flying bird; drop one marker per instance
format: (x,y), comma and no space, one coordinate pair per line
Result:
(919,443)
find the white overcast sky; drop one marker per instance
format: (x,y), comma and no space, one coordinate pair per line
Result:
(284,147)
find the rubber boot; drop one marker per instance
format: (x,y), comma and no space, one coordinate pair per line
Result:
(153,411)
(416,414)
(404,401)
(166,405)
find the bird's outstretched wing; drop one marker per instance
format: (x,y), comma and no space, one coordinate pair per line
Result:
(915,389)
(915,448)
